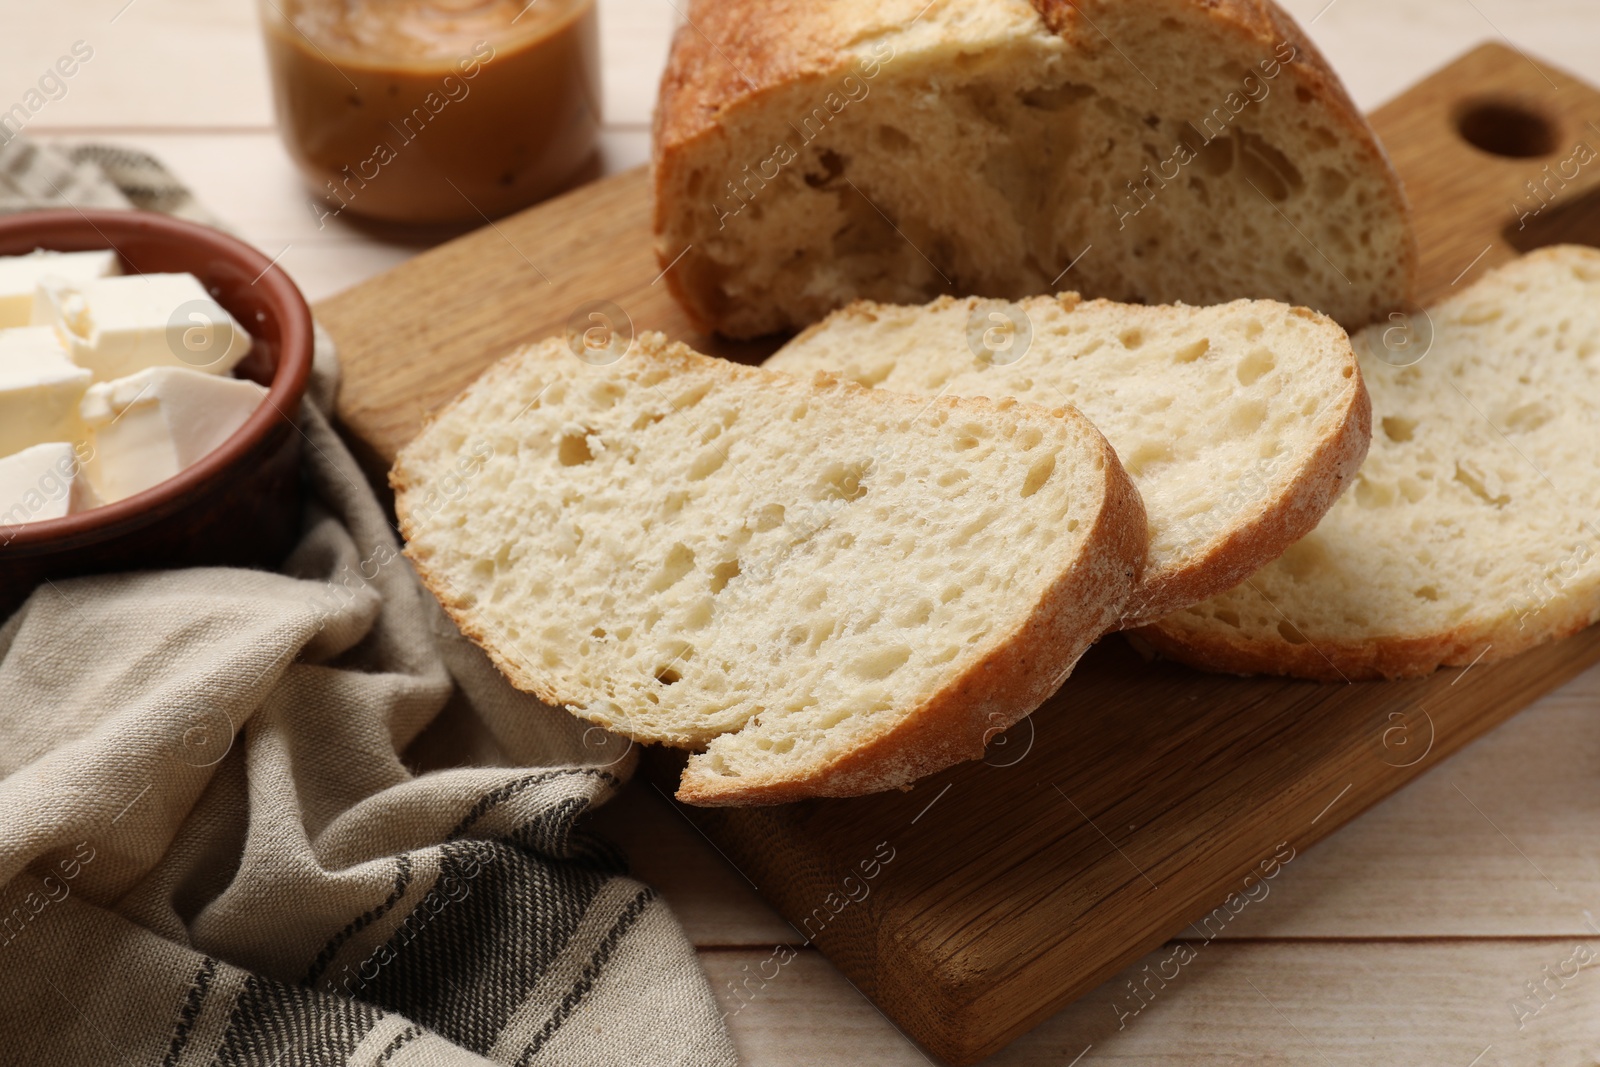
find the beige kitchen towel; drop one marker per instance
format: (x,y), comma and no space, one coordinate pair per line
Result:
(90,176)
(295,819)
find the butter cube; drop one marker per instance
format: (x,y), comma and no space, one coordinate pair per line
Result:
(43,482)
(120,326)
(147,427)
(20,277)
(40,389)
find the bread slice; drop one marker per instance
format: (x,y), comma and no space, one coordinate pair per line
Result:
(1473,530)
(830,590)
(1240,423)
(809,154)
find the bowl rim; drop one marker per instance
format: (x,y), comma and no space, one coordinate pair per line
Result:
(47,228)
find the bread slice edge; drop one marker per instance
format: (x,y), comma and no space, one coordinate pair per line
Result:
(1231,559)
(1020,672)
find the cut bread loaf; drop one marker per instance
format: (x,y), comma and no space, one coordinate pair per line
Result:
(810,153)
(1472,532)
(830,590)
(1240,423)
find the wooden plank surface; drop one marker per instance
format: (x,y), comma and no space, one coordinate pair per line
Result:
(1026,892)
(167,65)
(1439,1004)
(415,337)
(1496,843)
(1420,864)
(1425,868)
(1476,208)
(1141,797)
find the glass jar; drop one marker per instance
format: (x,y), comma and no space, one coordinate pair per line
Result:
(435,111)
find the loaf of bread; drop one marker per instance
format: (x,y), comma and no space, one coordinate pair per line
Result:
(827,589)
(1472,532)
(812,152)
(1240,423)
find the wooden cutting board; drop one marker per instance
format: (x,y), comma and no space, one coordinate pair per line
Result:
(1127,809)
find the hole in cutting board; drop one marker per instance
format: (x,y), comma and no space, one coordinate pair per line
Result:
(1577,221)
(1506,128)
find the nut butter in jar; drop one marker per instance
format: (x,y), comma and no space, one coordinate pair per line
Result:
(435,111)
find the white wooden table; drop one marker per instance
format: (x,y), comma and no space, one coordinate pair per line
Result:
(1406,938)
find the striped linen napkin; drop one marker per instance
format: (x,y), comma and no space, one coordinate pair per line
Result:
(295,818)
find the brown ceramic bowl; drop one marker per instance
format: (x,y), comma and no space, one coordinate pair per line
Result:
(240,505)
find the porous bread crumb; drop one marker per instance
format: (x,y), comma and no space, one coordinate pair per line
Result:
(1471,532)
(1168,150)
(829,589)
(1240,423)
